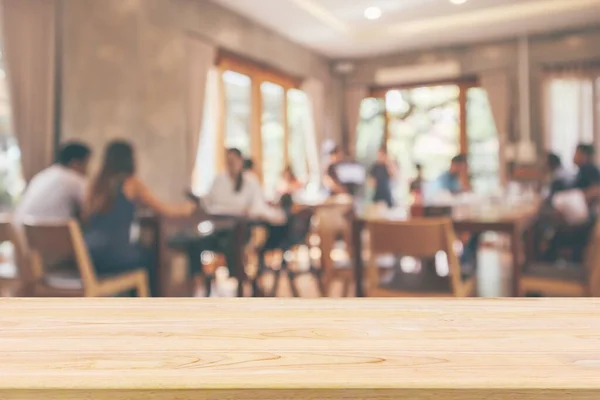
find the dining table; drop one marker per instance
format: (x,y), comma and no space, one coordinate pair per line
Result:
(194,240)
(512,220)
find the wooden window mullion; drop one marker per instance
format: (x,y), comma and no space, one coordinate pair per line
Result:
(256,126)
(286,129)
(464,138)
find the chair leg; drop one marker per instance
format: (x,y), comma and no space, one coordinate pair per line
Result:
(292,279)
(273,292)
(142,286)
(346,288)
(207,285)
(317,273)
(261,269)
(142,291)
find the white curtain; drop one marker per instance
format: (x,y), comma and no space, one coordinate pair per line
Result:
(570,104)
(353,98)
(497,86)
(315,91)
(29,36)
(201,58)
(205,168)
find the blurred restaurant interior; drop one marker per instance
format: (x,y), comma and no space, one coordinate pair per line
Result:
(299,148)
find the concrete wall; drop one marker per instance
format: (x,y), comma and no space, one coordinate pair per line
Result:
(475,59)
(124,74)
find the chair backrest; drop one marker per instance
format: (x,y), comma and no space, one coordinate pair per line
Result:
(331,219)
(437,211)
(419,238)
(592,261)
(10,233)
(54,243)
(299,226)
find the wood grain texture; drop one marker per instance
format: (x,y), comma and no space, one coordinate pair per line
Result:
(400,349)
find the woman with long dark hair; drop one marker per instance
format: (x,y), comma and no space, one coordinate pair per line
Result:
(109,213)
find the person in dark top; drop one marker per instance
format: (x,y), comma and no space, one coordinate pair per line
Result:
(382,172)
(560,179)
(416,186)
(576,238)
(331,179)
(548,220)
(109,212)
(588,176)
(451,181)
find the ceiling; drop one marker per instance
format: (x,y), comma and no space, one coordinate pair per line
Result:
(338,28)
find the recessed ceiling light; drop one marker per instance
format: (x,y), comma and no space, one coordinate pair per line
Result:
(372,13)
(458,1)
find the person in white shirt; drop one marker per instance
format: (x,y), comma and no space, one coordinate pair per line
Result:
(237,192)
(58,192)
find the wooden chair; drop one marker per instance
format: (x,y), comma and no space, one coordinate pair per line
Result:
(62,267)
(333,221)
(15,282)
(296,235)
(567,280)
(419,238)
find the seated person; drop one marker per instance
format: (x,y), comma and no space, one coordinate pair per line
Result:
(381,174)
(560,178)
(109,212)
(575,238)
(58,191)
(451,181)
(331,180)
(417,185)
(276,233)
(588,175)
(238,193)
(289,184)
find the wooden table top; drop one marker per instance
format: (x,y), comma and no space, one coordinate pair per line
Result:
(184,349)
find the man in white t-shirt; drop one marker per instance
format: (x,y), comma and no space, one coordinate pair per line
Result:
(57,193)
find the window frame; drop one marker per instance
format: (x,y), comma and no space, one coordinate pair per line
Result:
(258,74)
(463,85)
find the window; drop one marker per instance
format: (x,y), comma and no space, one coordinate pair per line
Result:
(428,125)
(238,93)
(423,128)
(370,130)
(11,180)
(264,115)
(484,147)
(572,110)
(302,144)
(273,136)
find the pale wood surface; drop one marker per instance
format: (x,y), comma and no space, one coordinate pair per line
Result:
(299,349)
